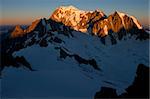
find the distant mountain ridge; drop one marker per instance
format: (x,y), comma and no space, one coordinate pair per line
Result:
(99,22)
(94,22)
(18,31)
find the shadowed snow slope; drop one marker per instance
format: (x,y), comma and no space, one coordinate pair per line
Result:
(56,77)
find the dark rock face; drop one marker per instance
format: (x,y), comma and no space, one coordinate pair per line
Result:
(57,40)
(106,92)
(140,86)
(9,60)
(24,62)
(81,60)
(138,89)
(93,63)
(142,35)
(43,43)
(64,54)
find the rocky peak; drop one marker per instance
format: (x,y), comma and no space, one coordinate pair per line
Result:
(139,26)
(95,22)
(80,20)
(66,12)
(18,28)
(116,22)
(128,21)
(32,26)
(75,18)
(71,7)
(17,31)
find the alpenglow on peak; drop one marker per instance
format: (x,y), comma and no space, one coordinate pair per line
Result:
(96,20)
(75,18)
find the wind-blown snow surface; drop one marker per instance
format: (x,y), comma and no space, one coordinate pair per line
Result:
(64,78)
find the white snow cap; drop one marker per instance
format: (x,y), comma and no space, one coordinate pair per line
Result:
(106,30)
(136,22)
(121,15)
(101,12)
(73,15)
(133,18)
(68,7)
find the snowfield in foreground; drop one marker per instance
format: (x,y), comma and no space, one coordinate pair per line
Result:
(66,78)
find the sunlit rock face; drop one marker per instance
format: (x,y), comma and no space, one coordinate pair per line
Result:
(94,22)
(75,18)
(98,23)
(32,26)
(18,31)
(115,22)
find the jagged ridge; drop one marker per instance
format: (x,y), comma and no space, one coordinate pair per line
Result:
(100,24)
(94,22)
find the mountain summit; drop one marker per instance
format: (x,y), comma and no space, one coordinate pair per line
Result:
(92,22)
(18,31)
(97,21)
(75,18)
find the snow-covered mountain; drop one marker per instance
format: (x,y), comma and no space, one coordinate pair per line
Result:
(67,60)
(91,22)
(96,21)
(75,18)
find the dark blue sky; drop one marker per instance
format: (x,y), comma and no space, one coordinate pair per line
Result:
(25,11)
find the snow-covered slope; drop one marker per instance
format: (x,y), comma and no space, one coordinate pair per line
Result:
(56,77)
